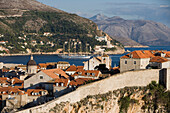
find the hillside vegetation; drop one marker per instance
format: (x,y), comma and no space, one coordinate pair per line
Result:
(24,21)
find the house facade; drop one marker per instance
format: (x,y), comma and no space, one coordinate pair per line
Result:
(63,65)
(44,76)
(95,61)
(143,59)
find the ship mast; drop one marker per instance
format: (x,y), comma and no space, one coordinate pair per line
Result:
(80,49)
(75,43)
(69,47)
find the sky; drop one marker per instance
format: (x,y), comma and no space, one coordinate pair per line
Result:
(156,10)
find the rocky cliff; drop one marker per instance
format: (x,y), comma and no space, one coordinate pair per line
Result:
(135,32)
(150,99)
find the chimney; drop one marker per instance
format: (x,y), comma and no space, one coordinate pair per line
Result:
(131,55)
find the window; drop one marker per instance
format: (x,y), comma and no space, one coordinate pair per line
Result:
(41,77)
(93,74)
(31,85)
(134,62)
(88,74)
(125,62)
(62,84)
(56,84)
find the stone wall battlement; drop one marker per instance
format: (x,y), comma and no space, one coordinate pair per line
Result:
(118,81)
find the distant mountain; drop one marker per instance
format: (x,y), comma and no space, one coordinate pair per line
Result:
(144,32)
(98,17)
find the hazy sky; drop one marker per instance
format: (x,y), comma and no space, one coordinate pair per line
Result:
(156,10)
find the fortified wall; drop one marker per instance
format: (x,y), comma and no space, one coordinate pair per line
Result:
(126,79)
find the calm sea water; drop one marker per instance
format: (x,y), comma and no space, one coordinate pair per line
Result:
(55,58)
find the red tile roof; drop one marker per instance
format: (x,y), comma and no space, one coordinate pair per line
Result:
(140,54)
(167,54)
(79,81)
(86,73)
(42,65)
(30,91)
(71,68)
(54,73)
(11,91)
(158,59)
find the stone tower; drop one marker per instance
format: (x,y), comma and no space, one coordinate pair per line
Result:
(106,60)
(31,66)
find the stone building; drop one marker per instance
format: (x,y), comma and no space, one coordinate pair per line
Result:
(144,59)
(13,97)
(36,95)
(95,61)
(63,65)
(91,74)
(72,69)
(31,66)
(43,76)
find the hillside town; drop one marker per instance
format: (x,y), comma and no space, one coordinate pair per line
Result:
(25,86)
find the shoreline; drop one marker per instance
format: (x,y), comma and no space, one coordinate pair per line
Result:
(4,55)
(136,46)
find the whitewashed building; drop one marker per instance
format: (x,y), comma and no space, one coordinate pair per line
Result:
(143,59)
(95,61)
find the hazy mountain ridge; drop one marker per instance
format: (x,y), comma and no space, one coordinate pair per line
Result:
(144,32)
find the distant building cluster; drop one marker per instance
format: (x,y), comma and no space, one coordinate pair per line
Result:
(34,84)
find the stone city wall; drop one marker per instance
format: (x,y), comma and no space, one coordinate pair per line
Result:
(131,78)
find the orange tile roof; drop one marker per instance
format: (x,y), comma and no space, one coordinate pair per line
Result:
(80,67)
(79,81)
(4,78)
(11,90)
(30,91)
(167,54)
(74,68)
(158,59)
(71,68)
(65,81)
(42,65)
(54,73)
(140,54)
(116,68)
(62,62)
(84,73)
(20,66)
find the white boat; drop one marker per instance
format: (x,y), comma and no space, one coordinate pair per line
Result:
(75,56)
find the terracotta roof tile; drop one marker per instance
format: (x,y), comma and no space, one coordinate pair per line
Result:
(79,81)
(71,68)
(60,80)
(55,73)
(158,59)
(11,90)
(30,91)
(140,54)
(86,73)
(62,62)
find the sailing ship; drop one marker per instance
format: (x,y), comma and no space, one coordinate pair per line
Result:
(74,56)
